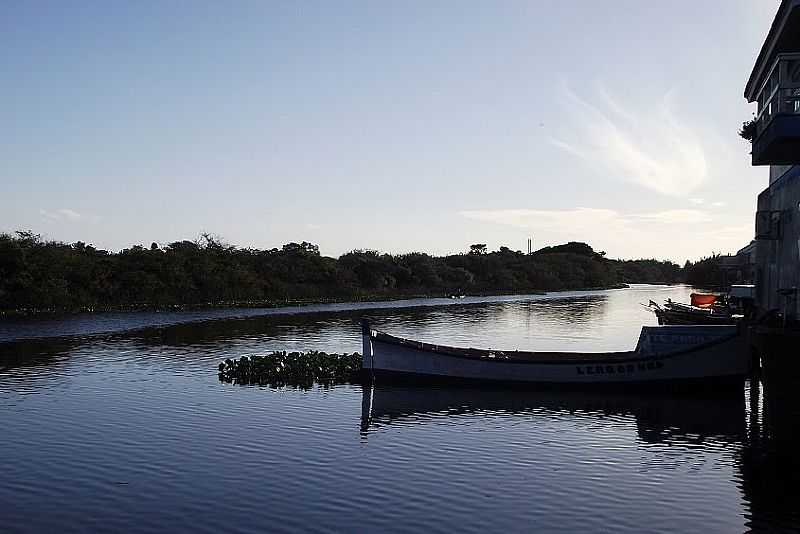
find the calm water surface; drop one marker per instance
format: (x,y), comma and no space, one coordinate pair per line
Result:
(114,426)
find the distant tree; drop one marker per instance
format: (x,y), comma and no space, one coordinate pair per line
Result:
(301,248)
(47,275)
(706,272)
(573,247)
(28,238)
(213,242)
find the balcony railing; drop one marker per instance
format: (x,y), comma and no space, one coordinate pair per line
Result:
(780,94)
(782,102)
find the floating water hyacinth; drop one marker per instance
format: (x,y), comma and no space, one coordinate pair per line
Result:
(301,369)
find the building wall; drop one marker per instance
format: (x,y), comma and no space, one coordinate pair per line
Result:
(746,264)
(778,261)
(776,171)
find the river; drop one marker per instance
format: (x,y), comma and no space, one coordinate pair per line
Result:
(118,422)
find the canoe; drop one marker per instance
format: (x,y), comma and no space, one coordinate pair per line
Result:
(690,355)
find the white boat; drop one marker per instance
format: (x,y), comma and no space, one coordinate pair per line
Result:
(698,355)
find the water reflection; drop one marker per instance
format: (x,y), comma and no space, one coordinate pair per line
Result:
(34,362)
(145,407)
(659,417)
(769,463)
(575,310)
(762,433)
(87,324)
(483,324)
(492,324)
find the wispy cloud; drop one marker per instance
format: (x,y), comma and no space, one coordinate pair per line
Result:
(63,214)
(649,147)
(691,233)
(676,216)
(68,215)
(577,219)
(580,218)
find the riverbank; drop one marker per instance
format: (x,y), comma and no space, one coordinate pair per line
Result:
(267,304)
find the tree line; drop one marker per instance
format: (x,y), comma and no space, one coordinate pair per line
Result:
(42,275)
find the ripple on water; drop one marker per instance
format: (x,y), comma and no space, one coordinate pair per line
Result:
(134,433)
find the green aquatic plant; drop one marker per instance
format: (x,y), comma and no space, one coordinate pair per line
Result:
(300,369)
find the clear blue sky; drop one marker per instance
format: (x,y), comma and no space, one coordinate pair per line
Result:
(396,126)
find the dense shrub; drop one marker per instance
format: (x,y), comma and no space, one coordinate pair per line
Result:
(49,275)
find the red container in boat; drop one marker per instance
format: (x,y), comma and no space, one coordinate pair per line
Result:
(702,300)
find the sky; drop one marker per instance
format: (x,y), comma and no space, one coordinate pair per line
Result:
(396,126)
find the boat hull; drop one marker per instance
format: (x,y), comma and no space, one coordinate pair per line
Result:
(724,360)
(678,317)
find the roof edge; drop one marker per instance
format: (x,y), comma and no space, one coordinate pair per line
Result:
(781,16)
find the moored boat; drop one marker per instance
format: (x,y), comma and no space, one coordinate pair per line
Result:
(699,355)
(675,313)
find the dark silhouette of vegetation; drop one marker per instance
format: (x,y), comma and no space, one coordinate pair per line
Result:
(705,273)
(39,275)
(749,130)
